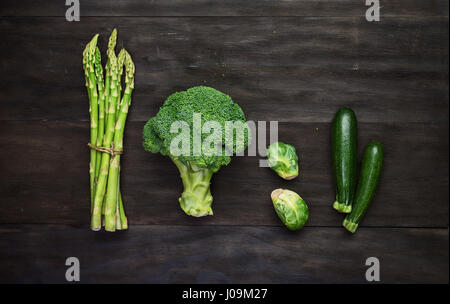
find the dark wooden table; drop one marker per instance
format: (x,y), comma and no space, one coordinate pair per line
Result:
(292,61)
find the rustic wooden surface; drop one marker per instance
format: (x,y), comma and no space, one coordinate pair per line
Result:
(292,61)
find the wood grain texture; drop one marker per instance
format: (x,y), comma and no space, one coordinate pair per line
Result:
(209,254)
(224,8)
(45,178)
(286,69)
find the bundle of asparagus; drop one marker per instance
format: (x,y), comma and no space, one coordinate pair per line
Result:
(108,113)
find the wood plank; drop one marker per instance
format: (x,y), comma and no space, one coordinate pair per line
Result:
(45,177)
(186,254)
(224,8)
(287,69)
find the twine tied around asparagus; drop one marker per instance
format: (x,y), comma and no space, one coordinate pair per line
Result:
(111,151)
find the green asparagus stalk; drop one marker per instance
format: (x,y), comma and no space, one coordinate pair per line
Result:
(121,62)
(118,221)
(108,138)
(89,68)
(111,46)
(112,203)
(123,218)
(101,110)
(118,199)
(111,49)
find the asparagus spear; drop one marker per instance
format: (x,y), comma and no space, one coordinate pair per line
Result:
(112,210)
(120,62)
(101,110)
(123,218)
(89,69)
(111,49)
(108,138)
(118,221)
(111,46)
(129,82)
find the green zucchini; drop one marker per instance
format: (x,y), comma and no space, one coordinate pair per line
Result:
(368,180)
(344,156)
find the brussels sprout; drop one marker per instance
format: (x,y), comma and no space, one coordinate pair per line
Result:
(291,208)
(283,159)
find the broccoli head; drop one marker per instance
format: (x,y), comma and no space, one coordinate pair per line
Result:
(210,128)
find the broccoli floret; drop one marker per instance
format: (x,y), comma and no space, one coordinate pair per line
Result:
(197,167)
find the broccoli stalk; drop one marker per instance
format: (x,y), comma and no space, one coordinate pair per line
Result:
(196,198)
(197,169)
